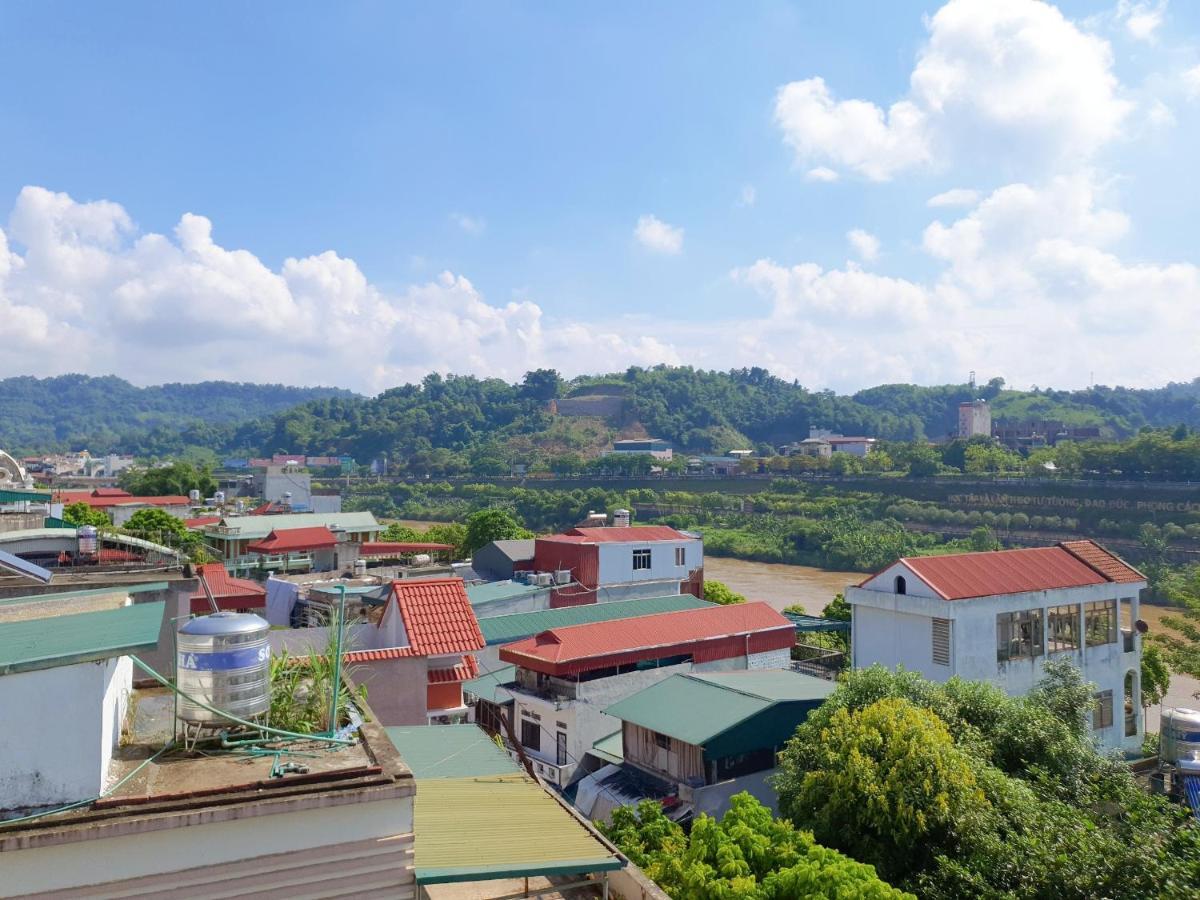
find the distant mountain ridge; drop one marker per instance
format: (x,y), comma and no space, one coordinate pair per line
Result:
(467,424)
(105,414)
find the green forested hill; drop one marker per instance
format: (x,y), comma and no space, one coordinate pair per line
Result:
(467,423)
(103,414)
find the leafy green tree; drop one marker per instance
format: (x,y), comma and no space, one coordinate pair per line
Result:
(82,514)
(454,534)
(1156,675)
(747,855)
(983,538)
(397,533)
(154,524)
(175,479)
(719,592)
(489,525)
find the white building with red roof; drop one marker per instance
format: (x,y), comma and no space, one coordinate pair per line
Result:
(566,677)
(1000,616)
(595,564)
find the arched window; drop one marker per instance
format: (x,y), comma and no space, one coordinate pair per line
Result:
(901,585)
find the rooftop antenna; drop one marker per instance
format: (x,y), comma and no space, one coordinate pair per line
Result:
(971,382)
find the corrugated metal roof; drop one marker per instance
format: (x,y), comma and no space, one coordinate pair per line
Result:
(755,627)
(88,592)
(286,540)
(482,594)
(503,629)
(488,686)
(450,751)
(253,527)
(229,592)
(65,640)
(504,826)
(515,550)
(437,616)
(697,708)
(10,496)
(611,748)
(961,576)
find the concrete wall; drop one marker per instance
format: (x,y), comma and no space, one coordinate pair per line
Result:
(631,883)
(616,561)
(52,759)
(396,689)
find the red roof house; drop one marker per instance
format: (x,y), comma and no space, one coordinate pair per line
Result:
(704,635)
(229,592)
(105,498)
(294,540)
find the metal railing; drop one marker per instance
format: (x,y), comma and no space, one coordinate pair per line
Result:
(818,661)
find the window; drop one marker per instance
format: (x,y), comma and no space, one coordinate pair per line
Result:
(641,560)
(901,585)
(1100,622)
(680,556)
(662,741)
(1019,635)
(1062,628)
(1102,714)
(941,642)
(560,750)
(531,734)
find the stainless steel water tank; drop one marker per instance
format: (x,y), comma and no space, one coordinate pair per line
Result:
(1179,735)
(89,540)
(224,660)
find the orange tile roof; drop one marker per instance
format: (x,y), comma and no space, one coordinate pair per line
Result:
(961,576)
(288,539)
(464,671)
(437,615)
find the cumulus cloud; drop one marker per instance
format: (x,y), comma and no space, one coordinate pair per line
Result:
(865,244)
(473,225)
(992,78)
(821,173)
(655,234)
(1191,81)
(954,197)
(82,290)
(1141,20)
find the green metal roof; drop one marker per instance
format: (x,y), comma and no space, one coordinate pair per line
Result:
(89,592)
(816,623)
(10,496)
(254,527)
(611,748)
(482,594)
(450,751)
(54,641)
(487,686)
(697,708)
(504,629)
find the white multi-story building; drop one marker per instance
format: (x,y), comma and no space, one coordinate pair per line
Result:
(1001,616)
(974,419)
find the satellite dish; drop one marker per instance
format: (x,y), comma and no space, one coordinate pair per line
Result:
(1141,626)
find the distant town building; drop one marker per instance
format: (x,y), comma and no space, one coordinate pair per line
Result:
(659,449)
(1000,616)
(974,419)
(598,564)
(1034,433)
(498,560)
(818,438)
(231,536)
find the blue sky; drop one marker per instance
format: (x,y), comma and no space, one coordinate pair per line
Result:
(459,187)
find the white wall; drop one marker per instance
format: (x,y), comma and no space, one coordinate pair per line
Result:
(59,729)
(616,561)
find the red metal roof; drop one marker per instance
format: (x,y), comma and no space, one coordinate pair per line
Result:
(961,576)
(382,548)
(465,670)
(229,592)
(110,492)
(115,497)
(288,539)
(715,632)
(437,616)
(605,535)
(201,521)
(108,555)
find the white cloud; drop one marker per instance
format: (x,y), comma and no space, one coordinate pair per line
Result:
(1142,19)
(954,197)
(748,196)
(821,173)
(865,244)
(1013,79)
(655,234)
(82,290)
(473,225)
(1191,81)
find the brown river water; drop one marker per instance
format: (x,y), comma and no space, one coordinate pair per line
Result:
(778,584)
